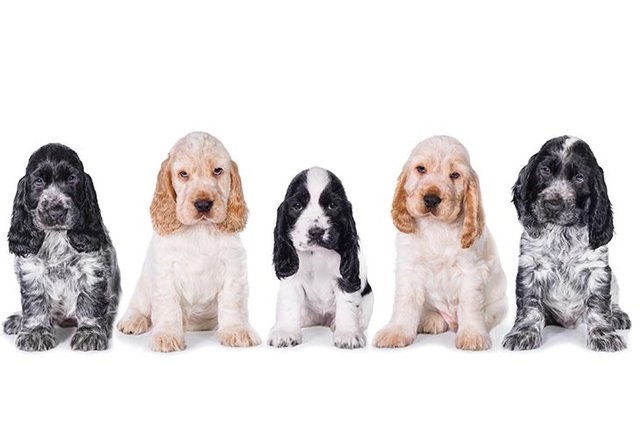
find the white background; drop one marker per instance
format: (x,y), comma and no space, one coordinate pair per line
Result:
(350,86)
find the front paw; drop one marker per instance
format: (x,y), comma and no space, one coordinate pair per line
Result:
(134,325)
(280,338)
(238,337)
(473,341)
(527,339)
(606,341)
(166,342)
(39,339)
(393,337)
(433,324)
(349,340)
(89,339)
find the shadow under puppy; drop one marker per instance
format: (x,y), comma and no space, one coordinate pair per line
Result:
(195,274)
(448,272)
(65,262)
(316,255)
(564,276)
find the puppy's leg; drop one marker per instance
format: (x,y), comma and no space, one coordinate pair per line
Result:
(526,333)
(348,332)
(432,323)
(137,318)
(620,318)
(166,316)
(36,328)
(472,330)
(233,316)
(287,332)
(12,324)
(601,334)
(93,327)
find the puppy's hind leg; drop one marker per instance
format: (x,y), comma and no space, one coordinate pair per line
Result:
(137,318)
(12,324)
(620,318)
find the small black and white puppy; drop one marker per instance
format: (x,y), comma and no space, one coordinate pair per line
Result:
(65,263)
(316,255)
(564,276)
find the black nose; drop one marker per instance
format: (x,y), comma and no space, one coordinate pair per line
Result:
(316,232)
(57,212)
(431,201)
(554,204)
(203,206)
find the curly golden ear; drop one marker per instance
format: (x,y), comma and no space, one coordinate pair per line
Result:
(163,207)
(237,211)
(401,217)
(473,213)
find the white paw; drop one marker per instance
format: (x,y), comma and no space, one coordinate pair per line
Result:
(349,340)
(279,338)
(238,337)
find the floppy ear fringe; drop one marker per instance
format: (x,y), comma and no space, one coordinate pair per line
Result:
(473,223)
(24,238)
(237,212)
(163,206)
(401,217)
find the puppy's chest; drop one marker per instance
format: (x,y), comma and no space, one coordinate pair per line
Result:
(319,272)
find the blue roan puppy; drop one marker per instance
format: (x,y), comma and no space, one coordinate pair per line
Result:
(316,255)
(564,276)
(65,263)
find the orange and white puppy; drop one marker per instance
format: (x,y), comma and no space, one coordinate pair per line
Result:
(448,273)
(195,275)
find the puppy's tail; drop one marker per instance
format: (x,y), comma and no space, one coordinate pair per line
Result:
(12,324)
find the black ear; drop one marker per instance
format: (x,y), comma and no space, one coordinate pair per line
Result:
(522,197)
(600,213)
(88,234)
(285,257)
(24,238)
(348,248)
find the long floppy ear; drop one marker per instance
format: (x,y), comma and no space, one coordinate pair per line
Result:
(163,206)
(285,257)
(237,211)
(24,238)
(401,217)
(600,213)
(348,249)
(473,223)
(521,196)
(88,234)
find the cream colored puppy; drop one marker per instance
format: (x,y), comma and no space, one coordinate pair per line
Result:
(195,274)
(448,273)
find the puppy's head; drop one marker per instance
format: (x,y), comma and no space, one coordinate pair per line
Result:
(314,214)
(438,184)
(198,183)
(563,184)
(55,195)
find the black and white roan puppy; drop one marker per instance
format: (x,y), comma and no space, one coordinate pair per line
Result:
(65,263)
(316,255)
(564,276)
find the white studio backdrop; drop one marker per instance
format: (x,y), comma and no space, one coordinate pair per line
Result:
(352,87)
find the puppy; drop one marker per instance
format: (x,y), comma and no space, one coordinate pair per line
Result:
(195,275)
(564,275)
(316,255)
(448,273)
(65,263)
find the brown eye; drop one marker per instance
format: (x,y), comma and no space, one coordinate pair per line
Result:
(421,169)
(454,175)
(183,174)
(217,171)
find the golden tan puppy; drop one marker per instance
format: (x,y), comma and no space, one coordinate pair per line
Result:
(195,274)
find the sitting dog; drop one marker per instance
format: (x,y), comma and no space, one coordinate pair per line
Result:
(564,274)
(448,273)
(65,263)
(195,274)
(316,255)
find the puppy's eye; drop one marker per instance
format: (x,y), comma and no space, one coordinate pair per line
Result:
(579,178)
(454,175)
(545,171)
(297,206)
(72,179)
(217,171)
(421,169)
(183,174)
(332,205)
(38,181)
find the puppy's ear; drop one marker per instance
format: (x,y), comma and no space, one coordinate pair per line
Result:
(88,234)
(163,206)
(401,217)
(600,213)
(348,249)
(473,223)
(24,238)
(237,211)
(285,257)
(522,197)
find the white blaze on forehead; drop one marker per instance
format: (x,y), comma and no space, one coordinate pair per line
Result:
(313,214)
(568,143)
(317,180)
